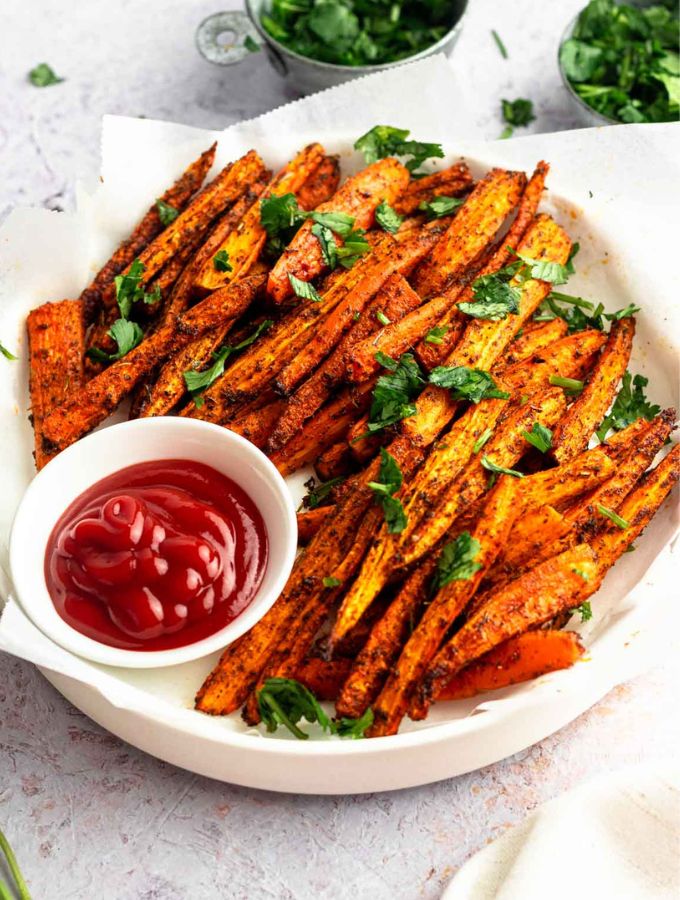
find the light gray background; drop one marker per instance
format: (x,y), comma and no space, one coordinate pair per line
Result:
(92,817)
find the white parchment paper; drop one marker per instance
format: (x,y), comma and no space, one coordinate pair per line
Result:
(615,189)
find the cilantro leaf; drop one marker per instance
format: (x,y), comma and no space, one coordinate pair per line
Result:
(6,353)
(284,701)
(127,336)
(354,728)
(388,218)
(43,75)
(390,482)
(329,249)
(340,223)
(630,404)
(304,289)
(166,213)
(435,335)
(491,466)
(384,140)
(394,394)
(386,361)
(221,262)
(539,437)
(457,561)
(544,269)
(280,216)
(466,383)
(130,291)
(440,206)
(494,297)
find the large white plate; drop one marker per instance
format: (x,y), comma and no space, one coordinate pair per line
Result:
(601,191)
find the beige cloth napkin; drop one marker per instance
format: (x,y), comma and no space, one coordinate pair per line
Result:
(618,837)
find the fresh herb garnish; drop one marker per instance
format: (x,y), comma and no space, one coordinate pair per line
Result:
(630,404)
(466,384)
(395,393)
(570,385)
(166,213)
(284,701)
(304,289)
(354,728)
(6,353)
(384,140)
(197,382)
(15,871)
(251,44)
(280,216)
(388,218)
(612,516)
(354,247)
(330,582)
(622,60)
(319,492)
(43,75)
(482,440)
(544,269)
(440,206)
(435,335)
(221,262)
(390,482)
(340,223)
(329,249)
(585,610)
(457,561)
(516,113)
(382,318)
(129,290)
(539,437)
(491,466)
(356,32)
(494,297)
(126,334)
(499,43)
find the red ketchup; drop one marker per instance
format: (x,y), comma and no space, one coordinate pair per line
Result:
(156,556)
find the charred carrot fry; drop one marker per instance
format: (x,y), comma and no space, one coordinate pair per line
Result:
(56,340)
(322,677)
(451,182)
(256,424)
(310,520)
(334,462)
(589,408)
(491,532)
(321,184)
(522,658)
(531,342)
(177,196)
(570,357)
(357,197)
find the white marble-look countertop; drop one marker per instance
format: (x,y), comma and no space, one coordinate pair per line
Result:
(90,816)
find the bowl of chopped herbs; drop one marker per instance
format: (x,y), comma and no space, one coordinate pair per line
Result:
(320,43)
(621,63)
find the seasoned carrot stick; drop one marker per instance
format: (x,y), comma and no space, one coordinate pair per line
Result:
(323,677)
(522,658)
(358,197)
(320,185)
(256,424)
(449,182)
(146,230)
(310,520)
(588,410)
(534,340)
(488,537)
(431,355)
(570,357)
(335,461)
(56,340)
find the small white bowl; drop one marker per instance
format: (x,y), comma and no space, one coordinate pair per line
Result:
(101,454)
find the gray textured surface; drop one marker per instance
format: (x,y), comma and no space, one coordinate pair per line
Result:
(90,816)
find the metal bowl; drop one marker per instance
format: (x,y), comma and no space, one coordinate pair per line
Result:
(220,39)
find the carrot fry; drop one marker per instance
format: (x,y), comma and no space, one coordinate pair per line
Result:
(570,357)
(335,461)
(56,339)
(146,230)
(321,184)
(491,532)
(310,520)
(556,585)
(358,197)
(322,677)
(588,410)
(449,182)
(533,341)
(522,658)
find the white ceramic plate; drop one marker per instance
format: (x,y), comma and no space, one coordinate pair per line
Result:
(600,190)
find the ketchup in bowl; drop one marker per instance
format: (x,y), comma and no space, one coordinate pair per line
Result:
(156,556)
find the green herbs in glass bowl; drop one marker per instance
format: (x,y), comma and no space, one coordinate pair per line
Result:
(358,32)
(622,60)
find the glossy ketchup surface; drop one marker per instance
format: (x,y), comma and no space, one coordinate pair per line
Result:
(156,556)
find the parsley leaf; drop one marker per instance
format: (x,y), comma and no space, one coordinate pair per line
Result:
(388,218)
(518,112)
(304,289)
(340,223)
(197,382)
(330,582)
(394,393)
(354,247)
(6,353)
(466,384)
(491,466)
(440,206)
(435,335)
(166,213)
(284,701)
(280,216)
(539,437)
(129,290)
(386,361)
(612,516)
(318,493)
(544,269)
(570,385)
(354,728)
(585,610)
(221,262)
(384,140)
(630,404)
(390,482)
(457,561)
(382,318)
(127,336)
(482,440)
(329,249)
(494,297)
(43,75)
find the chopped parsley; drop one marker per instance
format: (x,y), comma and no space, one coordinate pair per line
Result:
(166,213)
(280,216)
(457,561)
(6,353)
(584,610)
(539,437)
(435,335)
(491,466)
(395,393)
(330,582)
(384,140)
(354,247)
(304,289)
(516,113)
(630,404)
(284,701)
(197,382)
(130,291)
(494,297)
(221,262)
(382,318)
(126,334)
(329,249)
(570,385)
(317,493)
(390,483)
(388,218)
(499,43)
(612,516)
(354,728)
(43,75)
(482,440)
(466,384)
(440,206)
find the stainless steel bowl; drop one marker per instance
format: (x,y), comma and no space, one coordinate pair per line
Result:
(220,39)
